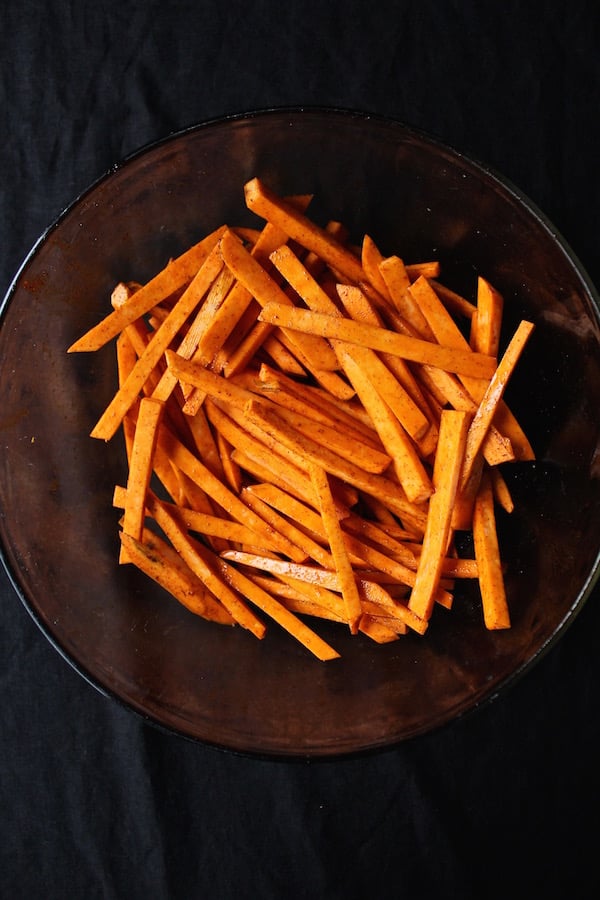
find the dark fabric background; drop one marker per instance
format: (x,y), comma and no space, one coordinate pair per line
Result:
(93,802)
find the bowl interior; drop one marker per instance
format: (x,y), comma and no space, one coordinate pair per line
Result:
(416,198)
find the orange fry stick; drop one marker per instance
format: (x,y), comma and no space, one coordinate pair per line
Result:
(124,397)
(140,466)
(316,299)
(395,276)
(337,545)
(174,276)
(199,522)
(413,349)
(448,464)
(379,485)
(298,226)
(218,491)
(198,560)
(159,561)
(189,342)
(260,284)
(310,548)
(487,553)
(486,322)
(406,461)
(277,611)
(489,404)
(371,258)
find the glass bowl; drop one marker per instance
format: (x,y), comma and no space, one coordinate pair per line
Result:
(220,686)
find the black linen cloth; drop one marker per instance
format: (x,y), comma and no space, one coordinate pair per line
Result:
(96,803)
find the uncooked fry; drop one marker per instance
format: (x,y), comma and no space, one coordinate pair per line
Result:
(395,276)
(408,466)
(197,558)
(489,404)
(377,630)
(462,514)
(398,571)
(487,553)
(263,468)
(448,333)
(378,485)
(277,611)
(372,533)
(335,538)
(312,600)
(316,299)
(126,360)
(486,322)
(371,257)
(375,593)
(281,356)
(174,276)
(189,343)
(455,302)
(310,548)
(330,381)
(428,269)
(140,465)
(327,578)
(367,457)
(260,284)
(448,389)
(199,522)
(231,470)
(317,404)
(446,474)
(203,477)
(205,442)
(158,561)
(298,226)
(289,505)
(122,400)
(501,490)
(246,435)
(409,348)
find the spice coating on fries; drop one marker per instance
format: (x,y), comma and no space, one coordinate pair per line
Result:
(309,424)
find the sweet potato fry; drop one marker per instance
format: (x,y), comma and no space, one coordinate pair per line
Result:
(159,561)
(261,200)
(408,466)
(486,322)
(198,560)
(378,485)
(409,348)
(487,553)
(489,403)
(371,259)
(277,611)
(122,400)
(174,276)
(260,284)
(447,470)
(199,522)
(218,491)
(335,537)
(140,465)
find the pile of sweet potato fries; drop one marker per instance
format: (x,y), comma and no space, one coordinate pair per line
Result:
(308,424)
